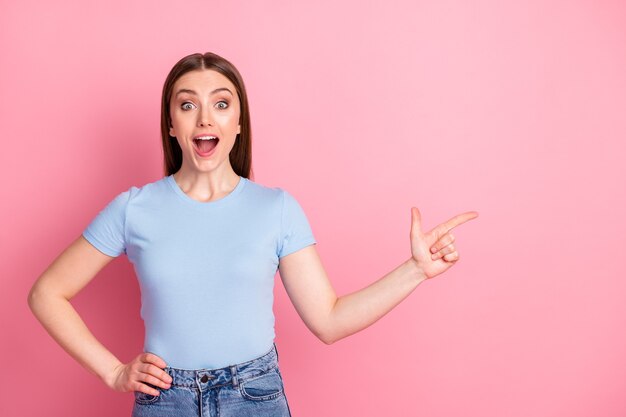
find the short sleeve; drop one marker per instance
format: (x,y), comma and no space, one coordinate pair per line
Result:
(295,231)
(106,231)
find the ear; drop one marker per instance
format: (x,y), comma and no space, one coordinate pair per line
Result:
(171,132)
(238,129)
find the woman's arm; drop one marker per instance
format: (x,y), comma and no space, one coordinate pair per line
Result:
(49,300)
(332,318)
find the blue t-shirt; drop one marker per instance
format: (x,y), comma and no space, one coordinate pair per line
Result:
(206,269)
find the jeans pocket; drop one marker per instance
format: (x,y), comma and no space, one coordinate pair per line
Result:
(263,387)
(143,398)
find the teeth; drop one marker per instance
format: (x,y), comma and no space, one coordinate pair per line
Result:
(206,138)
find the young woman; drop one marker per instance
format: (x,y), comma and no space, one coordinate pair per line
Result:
(206,242)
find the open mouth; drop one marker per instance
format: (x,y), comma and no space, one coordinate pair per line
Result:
(205,144)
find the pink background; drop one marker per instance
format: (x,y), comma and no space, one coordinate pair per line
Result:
(512,109)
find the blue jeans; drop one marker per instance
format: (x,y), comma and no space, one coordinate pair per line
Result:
(253,388)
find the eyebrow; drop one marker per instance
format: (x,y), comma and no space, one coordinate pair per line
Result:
(185,90)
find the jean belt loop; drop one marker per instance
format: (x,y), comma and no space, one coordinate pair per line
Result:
(233,373)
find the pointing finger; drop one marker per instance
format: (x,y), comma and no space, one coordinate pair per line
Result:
(444,228)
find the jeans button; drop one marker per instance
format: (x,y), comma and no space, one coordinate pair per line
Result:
(204,378)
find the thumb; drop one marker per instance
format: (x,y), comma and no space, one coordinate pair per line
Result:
(416,222)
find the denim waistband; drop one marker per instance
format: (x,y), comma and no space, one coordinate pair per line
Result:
(206,378)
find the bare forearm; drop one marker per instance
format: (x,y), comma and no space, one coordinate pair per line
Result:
(61,320)
(358,310)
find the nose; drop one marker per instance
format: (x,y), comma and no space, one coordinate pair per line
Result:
(205,118)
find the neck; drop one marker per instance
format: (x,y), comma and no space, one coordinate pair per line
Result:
(208,185)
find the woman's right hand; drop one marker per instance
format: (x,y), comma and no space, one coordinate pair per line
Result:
(146,368)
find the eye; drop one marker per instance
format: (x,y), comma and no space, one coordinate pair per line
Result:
(186,106)
(222,102)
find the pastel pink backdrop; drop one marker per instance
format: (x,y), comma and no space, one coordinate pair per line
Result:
(361,110)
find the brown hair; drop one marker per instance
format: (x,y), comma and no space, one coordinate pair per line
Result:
(241,153)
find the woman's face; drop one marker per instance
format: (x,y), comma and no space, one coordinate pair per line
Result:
(204,103)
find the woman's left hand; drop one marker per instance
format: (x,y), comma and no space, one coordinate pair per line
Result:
(434,252)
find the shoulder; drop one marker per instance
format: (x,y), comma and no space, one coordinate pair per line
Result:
(276,192)
(275,198)
(148,190)
(263,193)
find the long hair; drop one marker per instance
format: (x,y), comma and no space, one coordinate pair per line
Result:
(241,154)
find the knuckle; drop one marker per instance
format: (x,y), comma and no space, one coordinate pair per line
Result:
(149,387)
(452,256)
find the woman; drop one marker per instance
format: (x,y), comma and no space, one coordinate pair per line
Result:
(206,242)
